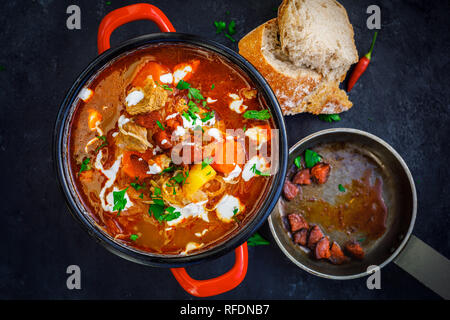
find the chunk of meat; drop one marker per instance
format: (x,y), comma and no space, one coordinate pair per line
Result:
(149,120)
(154,98)
(301,237)
(354,249)
(302,177)
(248,93)
(173,123)
(322,250)
(133,137)
(162,140)
(297,222)
(337,256)
(315,234)
(290,190)
(320,172)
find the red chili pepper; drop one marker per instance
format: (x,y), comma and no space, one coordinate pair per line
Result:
(361,66)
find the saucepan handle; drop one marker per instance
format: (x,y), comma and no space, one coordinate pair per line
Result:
(215,286)
(426,265)
(134,12)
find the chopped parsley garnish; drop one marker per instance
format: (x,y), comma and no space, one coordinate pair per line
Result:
(232,28)
(258,115)
(208,173)
(230,37)
(207,116)
(329,117)
(104,144)
(235,211)
(157,208)
(136,186)
(213,86)
(341,188)
(298,162)
(311,158)
(168,169)
(192,92)
(85,165)
(134,237)
(141,196)
(180,177)
(164,86)
(108,2)
(119,200)
(257,240)
(206,162)
(259,173)
(160,125)
(220,26)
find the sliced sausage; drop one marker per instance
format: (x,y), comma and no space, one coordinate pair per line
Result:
(323,249)
(315,235)
(301,237)
(354,249)
(162,139)
(302,177)
(320,172)
(297,222)
(337,256)
(290,190)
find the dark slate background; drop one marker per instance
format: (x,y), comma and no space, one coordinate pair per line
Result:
(403,98)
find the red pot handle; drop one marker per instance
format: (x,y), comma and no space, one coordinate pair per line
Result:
(221,284)
(118,17)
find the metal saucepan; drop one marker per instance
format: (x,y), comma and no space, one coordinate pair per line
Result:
(397,243)
(236,240)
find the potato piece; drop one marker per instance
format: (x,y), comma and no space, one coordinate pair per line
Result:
(197,178)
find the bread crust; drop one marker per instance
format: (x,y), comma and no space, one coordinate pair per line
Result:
(306,92)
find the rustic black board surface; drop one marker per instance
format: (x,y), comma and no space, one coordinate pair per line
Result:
(403,98)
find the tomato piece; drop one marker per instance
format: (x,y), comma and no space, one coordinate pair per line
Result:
(221,162)
(151,68)
(94,118)
(133,167)
(183,71)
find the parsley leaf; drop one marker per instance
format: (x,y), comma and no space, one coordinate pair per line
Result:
(257,240)
(329,117)
(232,27)
(298,162)
(134,237)
(258,115)
(206,162)
(259,173)
(207,116)
(104,144)
(341,188)
(164,86)
(192,92)
(311,158)
(160,125)
(119,200)
(183,85)
(136,186)
(220,26)
(230,37)
(85,165)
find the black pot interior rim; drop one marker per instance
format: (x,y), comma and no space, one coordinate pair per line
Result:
(141,256)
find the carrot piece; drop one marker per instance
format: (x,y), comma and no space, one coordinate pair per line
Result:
(183,71)
(221,163)
(133,167)
(94,118)
(151,68)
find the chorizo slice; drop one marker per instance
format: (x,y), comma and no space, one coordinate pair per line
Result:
(297,222)
(354,249)
(290,190)
(320,172)
(301,237)
(302,177)
(337,255)
(315,235)
(322,250)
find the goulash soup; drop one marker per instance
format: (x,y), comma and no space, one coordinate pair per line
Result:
(170,149)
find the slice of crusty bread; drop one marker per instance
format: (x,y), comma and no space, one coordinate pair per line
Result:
(298,89)
(317,34)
